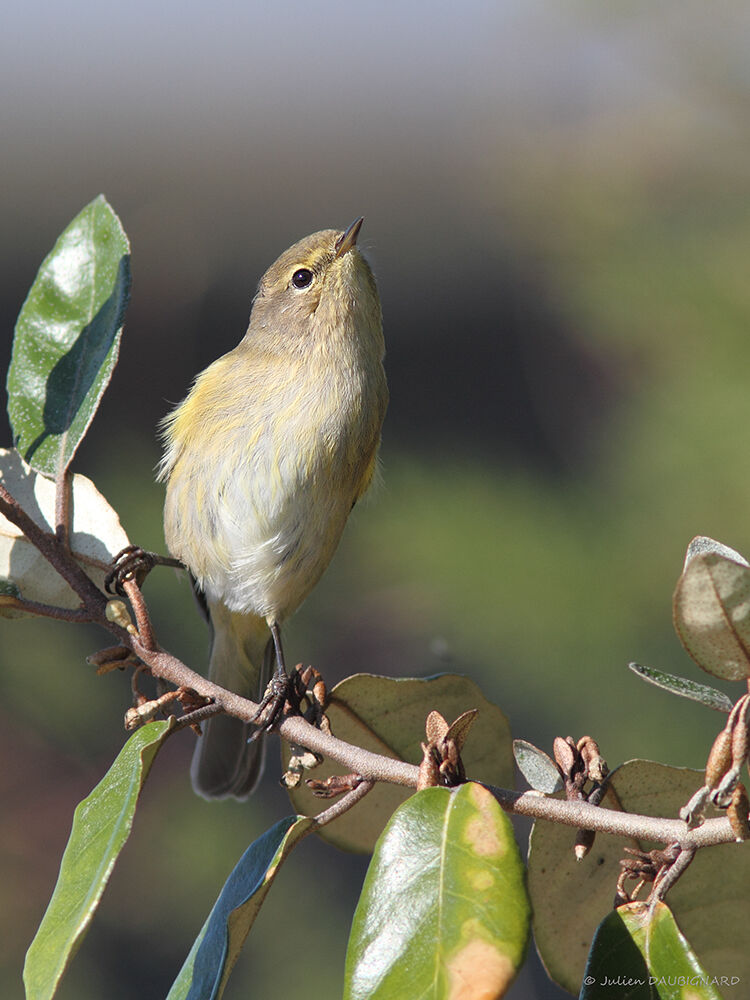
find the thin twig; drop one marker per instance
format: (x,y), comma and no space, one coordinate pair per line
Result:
(78,616)
(344,804)
(337,809)
(142,620)
(198,715)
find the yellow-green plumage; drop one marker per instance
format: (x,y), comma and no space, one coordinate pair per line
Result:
(264,460)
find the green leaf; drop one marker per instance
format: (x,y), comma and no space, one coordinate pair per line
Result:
(537,767)
(640,954)
(387,715)
(206,970)
(571,897)
(101,825)
(444,911)
(68,337)
(712,614)
(96,535)
(708,696)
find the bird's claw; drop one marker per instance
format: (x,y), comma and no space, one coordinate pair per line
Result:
(132,562)
(277,701)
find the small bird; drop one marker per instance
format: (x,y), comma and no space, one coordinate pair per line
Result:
(264,460)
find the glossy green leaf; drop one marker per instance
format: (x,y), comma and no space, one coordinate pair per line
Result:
(640,954)
(67,338)
(537,767)
(207,968)
(101,826)
(685,688)
(712,614)
(571,897)
(96,535)
(444,911)
(387,715)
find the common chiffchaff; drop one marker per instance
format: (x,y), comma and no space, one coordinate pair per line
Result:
(264,460)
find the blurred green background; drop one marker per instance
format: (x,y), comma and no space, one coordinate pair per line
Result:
(557,210)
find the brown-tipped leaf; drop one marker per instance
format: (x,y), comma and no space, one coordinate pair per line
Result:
(444,911)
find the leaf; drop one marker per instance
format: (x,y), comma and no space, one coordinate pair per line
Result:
(571,897)
(537,767)
(443,912)
(646,957)
(96,535)
(8,589)
(708,696)
(68,337)
(712,614)
(101,826)
(701,544)
(207,968)
(387,715)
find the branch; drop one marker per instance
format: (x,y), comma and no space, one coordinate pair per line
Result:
(143,622)
(621,824)
(79,616)
(371,766)
(375,767)
(294,728)
(351,798)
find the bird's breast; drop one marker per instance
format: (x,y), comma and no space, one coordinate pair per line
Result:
(257,510)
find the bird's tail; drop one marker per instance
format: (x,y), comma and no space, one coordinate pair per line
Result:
(224,763)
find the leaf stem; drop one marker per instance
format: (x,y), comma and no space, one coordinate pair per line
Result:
(63,487)
(671,875)
(351,798)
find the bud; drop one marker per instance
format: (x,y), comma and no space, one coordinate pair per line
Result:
(737,813)
(596,765)
(117,612)
(719,759)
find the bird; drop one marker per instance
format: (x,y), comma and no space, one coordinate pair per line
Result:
(263,462)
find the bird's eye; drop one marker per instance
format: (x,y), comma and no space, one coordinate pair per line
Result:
(302,278)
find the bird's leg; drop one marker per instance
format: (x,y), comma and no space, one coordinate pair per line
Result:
(279,692)
(278,649)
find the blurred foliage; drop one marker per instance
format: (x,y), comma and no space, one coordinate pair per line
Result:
(561,256)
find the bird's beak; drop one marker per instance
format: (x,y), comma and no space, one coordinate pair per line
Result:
(348,238)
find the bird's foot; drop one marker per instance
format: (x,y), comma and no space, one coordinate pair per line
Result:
(134,563)
(280,699)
